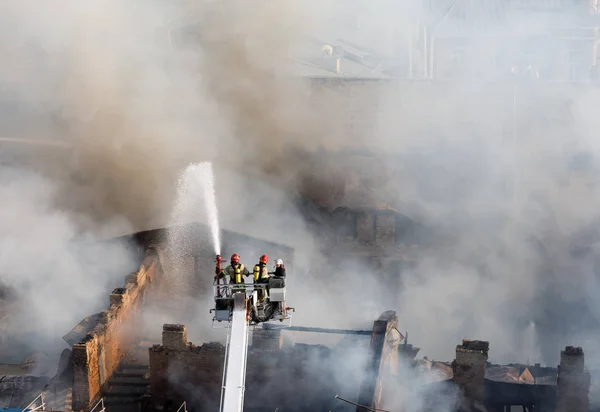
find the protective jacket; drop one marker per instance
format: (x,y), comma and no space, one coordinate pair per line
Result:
(261,273)
(280,271)
(235,273)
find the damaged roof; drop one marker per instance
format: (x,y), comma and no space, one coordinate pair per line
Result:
(19,391)
(433,371)
(506,17)
(317,58)
(77,334)
(508,374)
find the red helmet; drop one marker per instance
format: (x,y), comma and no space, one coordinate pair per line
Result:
(264,259)
(235,258)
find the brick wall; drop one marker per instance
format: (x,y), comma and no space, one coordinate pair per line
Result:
(179,369)
(385,228)
(469,370)
(365,227)
(573,382)
(98,355)
(300,376)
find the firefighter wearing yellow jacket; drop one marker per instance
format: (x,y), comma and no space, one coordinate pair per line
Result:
(261,276)
(235,271)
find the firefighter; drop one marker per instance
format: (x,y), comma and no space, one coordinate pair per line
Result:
(261,276)
(278,281)
(279,269)
(219,261)
(235,271)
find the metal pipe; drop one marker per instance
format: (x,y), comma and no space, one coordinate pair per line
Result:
(359,405)
(433,36)
(318,330)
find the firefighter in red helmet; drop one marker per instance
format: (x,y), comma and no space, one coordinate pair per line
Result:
(261,276)
(235,271)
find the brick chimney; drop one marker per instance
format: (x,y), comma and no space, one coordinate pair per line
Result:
(365,227)
(573,382)
(385,228)
(174,337)
(469,370)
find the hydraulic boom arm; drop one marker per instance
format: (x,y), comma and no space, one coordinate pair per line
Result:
(232,395)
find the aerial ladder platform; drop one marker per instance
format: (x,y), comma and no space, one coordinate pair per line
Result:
(234,370)
(240,307)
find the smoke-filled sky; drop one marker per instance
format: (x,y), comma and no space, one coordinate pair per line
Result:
(139,99)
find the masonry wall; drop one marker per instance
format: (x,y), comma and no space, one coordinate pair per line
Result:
(573,382)
(298,377)
(389,366)
(469,370)
(385,228)
(99,354)
(365,227)
(181,371)
(178,369)
(382,363)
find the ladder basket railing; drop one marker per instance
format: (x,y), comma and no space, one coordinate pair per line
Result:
(99,406)
(32,406)
(228,289)
(183,407)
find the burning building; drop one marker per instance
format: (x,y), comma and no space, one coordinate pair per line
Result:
(355,201)
(112,364)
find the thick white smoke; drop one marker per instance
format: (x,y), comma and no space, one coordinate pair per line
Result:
(55,275)
(141,89)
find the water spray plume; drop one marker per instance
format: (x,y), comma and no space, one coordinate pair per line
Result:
(196,181)
(210,202)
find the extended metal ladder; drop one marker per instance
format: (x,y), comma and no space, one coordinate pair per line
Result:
(236,354)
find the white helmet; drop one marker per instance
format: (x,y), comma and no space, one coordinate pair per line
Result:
(279,262)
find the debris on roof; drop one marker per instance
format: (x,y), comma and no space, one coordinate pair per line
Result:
(82,329)
(19,391)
